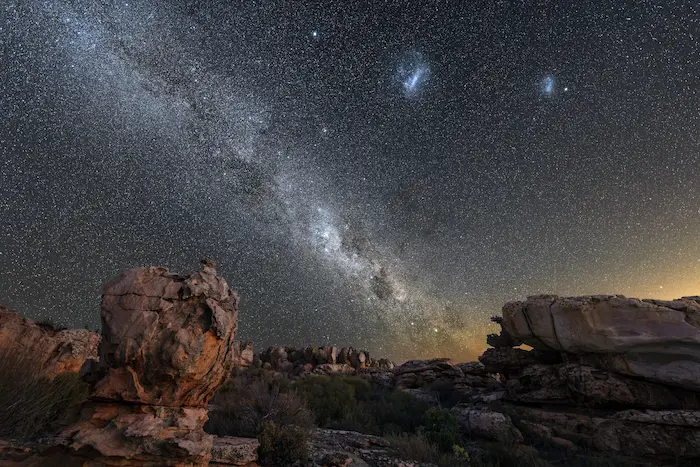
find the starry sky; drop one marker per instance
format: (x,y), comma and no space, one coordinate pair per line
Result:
(378,174)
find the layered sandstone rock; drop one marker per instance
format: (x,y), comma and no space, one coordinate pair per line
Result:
(327,359)
(243,355)
(607,373)
(440,378)
(166,339)
(658,340)
(53,351)
(167,345)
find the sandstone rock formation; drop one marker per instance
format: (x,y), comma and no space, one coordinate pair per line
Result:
(167,345)
(658,340)
(297,362)
(53,351)
(243,355)
(607,373)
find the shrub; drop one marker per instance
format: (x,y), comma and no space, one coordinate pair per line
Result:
(257,404)
(332,398)
(441,428)
(282,446)
(351,403)
(29,400)
(244,404)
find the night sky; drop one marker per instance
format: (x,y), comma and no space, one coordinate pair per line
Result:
(378,174)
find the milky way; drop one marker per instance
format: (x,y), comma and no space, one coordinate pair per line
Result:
(380,176)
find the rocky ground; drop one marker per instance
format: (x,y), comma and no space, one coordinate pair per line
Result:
(566,377)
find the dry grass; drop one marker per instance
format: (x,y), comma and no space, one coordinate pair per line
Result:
(30,401)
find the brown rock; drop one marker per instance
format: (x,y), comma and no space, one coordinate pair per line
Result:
(144,435)
(485,423)
(417,373)
(53,351)
(655,434)
(330,368)
(230,450)
(243,355)
(166,339)
(507,360)
(653,339)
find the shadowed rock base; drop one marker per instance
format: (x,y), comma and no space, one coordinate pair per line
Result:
(143,435)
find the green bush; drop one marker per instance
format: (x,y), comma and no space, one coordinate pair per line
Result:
(332,398)
(351,403)
(29,400)
(282,446)
(441,428)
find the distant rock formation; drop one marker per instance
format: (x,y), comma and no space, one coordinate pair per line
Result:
(318,360)
(53,351)
(167,345)
(243,355)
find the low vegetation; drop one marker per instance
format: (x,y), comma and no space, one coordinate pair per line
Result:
(255,404)
(30,401)
(281,413)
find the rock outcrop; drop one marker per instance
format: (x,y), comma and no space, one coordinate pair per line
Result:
(658,340)
(167,345)
(606,373)
(54,351)
(327,359)
(243,355)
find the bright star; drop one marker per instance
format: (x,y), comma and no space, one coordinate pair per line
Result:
(314,34)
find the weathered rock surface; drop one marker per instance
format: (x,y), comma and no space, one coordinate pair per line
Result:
(230,450)
(634,434)
(298,362)
(142,434)
(485,423)
(243,355)
(658,340)
(53,351)
(338,448)
(583,385)
(166,339)
(441,381)
(167,346)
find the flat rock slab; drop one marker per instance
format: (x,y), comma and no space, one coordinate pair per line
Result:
(229,450)
(658,340)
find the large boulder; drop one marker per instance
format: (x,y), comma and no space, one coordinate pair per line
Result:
(167,346)
(653,339)
(167,339)
(53,351)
